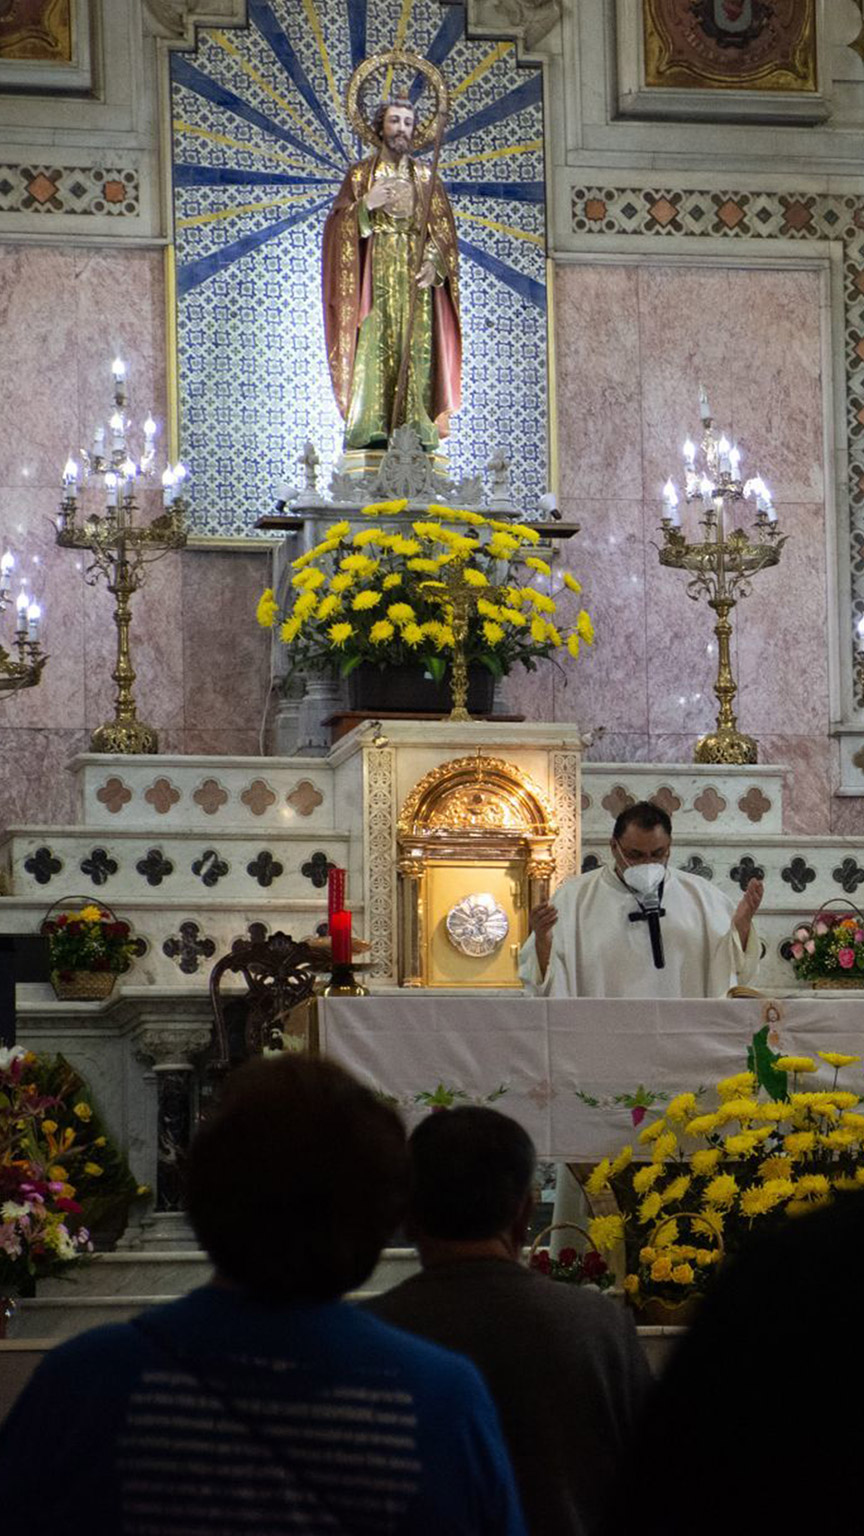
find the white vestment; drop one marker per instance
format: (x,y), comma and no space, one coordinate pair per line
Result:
(598,952)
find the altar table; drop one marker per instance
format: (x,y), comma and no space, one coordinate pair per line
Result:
(582,1076)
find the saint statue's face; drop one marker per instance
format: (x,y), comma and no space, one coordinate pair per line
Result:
(397,130)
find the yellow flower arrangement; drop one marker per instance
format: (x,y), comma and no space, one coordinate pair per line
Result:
(340,591)
(716,1174)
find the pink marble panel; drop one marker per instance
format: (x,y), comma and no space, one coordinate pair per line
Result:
(807,802)
(782,629)
(531,694)
(598,376)
(681,649)
(847,817)
(39,377)
(619,747)
(35,785)
(119,303)
(753,339)
(226,656)
(606,685)
(220,743)
(156,645)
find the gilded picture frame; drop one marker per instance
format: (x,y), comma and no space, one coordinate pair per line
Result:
(45,46)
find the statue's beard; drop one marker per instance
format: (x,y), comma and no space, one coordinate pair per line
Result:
(398,143)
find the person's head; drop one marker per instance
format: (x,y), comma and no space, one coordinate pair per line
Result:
(298,1179)
(393,125)
(642,834)
(472,1176)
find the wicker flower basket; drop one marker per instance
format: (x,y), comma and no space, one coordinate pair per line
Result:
(573,1226)
(841,980)
(657,1311)
(84,986)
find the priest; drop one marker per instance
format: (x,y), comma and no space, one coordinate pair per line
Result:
(639,928)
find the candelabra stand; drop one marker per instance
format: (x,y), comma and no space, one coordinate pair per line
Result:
(722,565)
(461,599)
(26,672)
(120,550)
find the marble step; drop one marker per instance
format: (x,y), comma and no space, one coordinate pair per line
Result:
(700,799)
(198,793)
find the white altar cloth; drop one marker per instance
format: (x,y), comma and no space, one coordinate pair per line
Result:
(574,1072)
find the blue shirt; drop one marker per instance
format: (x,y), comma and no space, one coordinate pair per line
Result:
(223,1414)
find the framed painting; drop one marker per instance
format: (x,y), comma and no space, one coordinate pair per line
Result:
(45,46)
(733,59)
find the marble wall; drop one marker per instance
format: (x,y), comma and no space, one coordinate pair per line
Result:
(202,663)
(633,344)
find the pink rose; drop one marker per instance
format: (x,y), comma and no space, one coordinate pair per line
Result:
(810,947)
(802,934)
(859,935)
(846,957)
(820,928)
(797,951)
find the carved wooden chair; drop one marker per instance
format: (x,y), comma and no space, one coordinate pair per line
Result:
(279,973)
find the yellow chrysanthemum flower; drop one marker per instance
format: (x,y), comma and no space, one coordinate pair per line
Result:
(383,508)
(492,632)
(501,546)
(774,1111)
(362,565)
(645,1176)
(622,1161)
(703,1125)
(795,1064)
(839,1140)
(368,536)
(394,579)
(811,1184)
(382,630)
(652,1131)
(365,600)
(305,606)
(405,547)
(424,567)
(339,633)
(430,531)
(650,1207)
(538,630)
(599,1178)
(737,1109)
(487,609)
(722,1190)
(584,627)
(705,1160)
(745,1142)
(401,613)
(512,616)
(758,1201)
(534,563)
(665,1146)
(538,600)
(328,606)
(681,1107)
(606,1232)
(445,639)
(572,583)
(337,532)
(412,634)
(267,609)
(799,1142)
(742,1083)
(775,1167)
(308,580)
(474,577)
(573,645)
(525,532)
(92,914)
(342,582)
(854,1122)
(291,629)
(837,1059)
(676,1190)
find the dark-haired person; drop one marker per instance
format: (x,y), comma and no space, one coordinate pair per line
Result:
(262,1402)
(563,1364)
(640,928)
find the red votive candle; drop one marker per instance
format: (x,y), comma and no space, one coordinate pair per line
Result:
(335,892)
(340,937)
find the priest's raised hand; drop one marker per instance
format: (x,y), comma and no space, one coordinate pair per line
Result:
(747,908)
(541,921)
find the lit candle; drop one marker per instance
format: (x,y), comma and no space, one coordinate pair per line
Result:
(98,442)
(70,473)
(111,489)
(335,891)
(723,450)
(167,486)
(707,490)
(770,512)
(340,937)
(22,603)
(149,430)
(118,369)
(704,407)
(734,461)
(118,436)
(34,614)
(6,565)
(670,496)
(689,453)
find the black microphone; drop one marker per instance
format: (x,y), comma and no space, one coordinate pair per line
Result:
(650,912)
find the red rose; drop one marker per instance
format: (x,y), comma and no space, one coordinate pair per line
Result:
(568,1256)
(65,1204)
(541,1261)
(62,920)
(120,930)
(594,1266)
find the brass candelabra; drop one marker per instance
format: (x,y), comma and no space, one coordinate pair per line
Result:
(461,600)
(120,549)
(722,565)
(26,670)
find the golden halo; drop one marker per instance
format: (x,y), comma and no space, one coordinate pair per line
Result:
(377,63)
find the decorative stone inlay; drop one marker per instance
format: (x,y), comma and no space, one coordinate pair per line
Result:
(162,795)
(316,869)
(709,804)
(43,865)
(154,866)
(565,789)
(264,868)
(617,801)
(99,865)
(858,758)
(379,795)
(69,189)
(188,948)
(209,868)
(695,865)
(590,861)
(210,796)
(849,875)
(304,797)
(258,797)
(666,800)
(746,870)
(754,804)
(784,950)
(798,874)
(586,801)
(114,794)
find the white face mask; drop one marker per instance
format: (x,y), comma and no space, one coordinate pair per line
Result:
(643,878)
